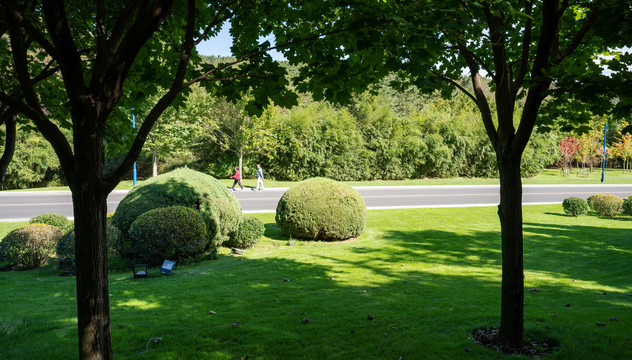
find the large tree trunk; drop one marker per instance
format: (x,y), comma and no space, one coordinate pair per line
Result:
(93,310)
(510,213)
(90,211)
(9,146)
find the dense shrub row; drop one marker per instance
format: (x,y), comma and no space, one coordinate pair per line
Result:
(374,139)
(179,215)
(183,187)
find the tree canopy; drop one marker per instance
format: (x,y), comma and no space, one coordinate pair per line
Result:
(110,56)
(545,58)
(540,55)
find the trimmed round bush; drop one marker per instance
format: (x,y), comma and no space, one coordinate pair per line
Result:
(65,248)
(250,230)
(53,219)
(575,206)
(627,205)
(184,187)
(321,209)
(173,233)
(607,205)
(31,245)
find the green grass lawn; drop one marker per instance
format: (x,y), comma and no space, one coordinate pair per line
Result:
(426,276)
(548,176)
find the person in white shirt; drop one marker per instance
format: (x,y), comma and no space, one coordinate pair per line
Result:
(259,177)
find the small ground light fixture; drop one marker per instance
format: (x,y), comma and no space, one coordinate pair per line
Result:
(140,270)
(167,266)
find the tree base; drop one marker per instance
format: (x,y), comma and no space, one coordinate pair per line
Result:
(535,346)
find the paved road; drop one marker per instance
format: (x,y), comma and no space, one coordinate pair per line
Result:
(23,205)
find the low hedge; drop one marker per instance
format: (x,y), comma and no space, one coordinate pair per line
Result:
(31,245)
(184,187)
(53,219)
(173,233)
(321,209)
(575,206)
(250,230)
(607,205)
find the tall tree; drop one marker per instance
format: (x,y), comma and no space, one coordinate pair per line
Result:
(542,55)
(234,130)
(8,116)
(110,55)
(623,148)
(568,148)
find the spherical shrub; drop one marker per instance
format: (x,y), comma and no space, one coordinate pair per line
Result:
(30,245)
(173,233)
(627,205)
(250,230)
(321,209)
(53,219)
(65,248)
(608,205)
(184,187)
(574,206)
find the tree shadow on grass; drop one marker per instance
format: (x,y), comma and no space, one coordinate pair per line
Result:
(440,247)
(424,290)
(578,251)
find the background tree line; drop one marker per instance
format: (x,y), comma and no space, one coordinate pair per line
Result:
(383,134)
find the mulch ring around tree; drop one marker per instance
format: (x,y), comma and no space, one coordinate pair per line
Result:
(488,336)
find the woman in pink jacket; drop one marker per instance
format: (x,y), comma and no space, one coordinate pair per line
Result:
(237,178)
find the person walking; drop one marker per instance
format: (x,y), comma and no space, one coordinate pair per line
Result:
(237,177)
(259,177)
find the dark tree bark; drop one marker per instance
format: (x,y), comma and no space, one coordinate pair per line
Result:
(510,214)
(9,118)
(93,310)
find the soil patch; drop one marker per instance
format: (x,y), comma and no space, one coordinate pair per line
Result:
(533,347)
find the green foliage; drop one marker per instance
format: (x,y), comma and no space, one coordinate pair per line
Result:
(321,209)
(575,206)
(65,248)
(627,205)
(31,245)
(34,163)
(173,233)
(316,140)
(185,187)
(250,230)
(608,205)
(53,219)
